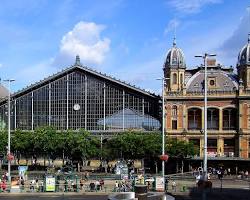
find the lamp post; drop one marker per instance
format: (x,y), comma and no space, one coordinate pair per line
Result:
(8,151)
(204,57)
(163,129)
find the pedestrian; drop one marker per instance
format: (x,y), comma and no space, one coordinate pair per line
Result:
(173,186)
(32,185)
(246,174)
(198,177)
(37,185)
(22,184)
(219,174)
(81,184)
(101,184)
(97,185)
(4,185)
(65,185)
(116,186)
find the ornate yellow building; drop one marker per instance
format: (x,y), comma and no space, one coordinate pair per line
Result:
(228,114)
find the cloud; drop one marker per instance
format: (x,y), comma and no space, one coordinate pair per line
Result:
(172,25)
(84,40)
(190,6)
(231,47)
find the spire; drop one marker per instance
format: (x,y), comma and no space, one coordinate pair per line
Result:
(248,38)
(174,41)
(77,60)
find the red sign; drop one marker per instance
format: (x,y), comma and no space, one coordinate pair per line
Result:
(164,157)
(10,157)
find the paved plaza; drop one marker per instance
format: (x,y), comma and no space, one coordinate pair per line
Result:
(53,196)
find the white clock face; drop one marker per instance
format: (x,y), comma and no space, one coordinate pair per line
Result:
(77,107)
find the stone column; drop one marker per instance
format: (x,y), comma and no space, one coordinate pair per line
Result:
(220,146)
(201,146)
(220,119)
(202,118)
(243,146)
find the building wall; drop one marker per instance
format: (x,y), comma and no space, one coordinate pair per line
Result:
(81,100)
(239,135)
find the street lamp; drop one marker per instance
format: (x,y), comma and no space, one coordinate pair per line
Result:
(204,57)
(8,151)
(163,129)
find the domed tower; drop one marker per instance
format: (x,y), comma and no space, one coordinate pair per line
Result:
(174,68)
(243,65)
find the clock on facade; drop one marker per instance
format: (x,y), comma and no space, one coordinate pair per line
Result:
(76,107)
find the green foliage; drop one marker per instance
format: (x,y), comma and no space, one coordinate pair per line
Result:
(3,140)
(80,145)
(134,145)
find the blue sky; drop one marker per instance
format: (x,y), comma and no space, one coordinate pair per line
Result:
(127,39)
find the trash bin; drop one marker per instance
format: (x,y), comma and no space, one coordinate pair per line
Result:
(183,188)
(92,187)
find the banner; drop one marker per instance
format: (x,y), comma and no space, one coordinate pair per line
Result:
(159,185)
(50,184)
(22,171)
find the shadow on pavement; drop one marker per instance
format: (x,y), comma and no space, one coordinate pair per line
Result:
(216,194)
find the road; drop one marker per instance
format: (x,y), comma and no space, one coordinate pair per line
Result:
(52,197)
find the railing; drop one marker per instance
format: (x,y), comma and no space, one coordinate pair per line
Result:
(201,93)
(63,187)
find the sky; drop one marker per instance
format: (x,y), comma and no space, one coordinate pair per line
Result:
(127,39)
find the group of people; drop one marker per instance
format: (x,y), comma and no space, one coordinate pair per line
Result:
(122,186)
(243,174)
(3,182)
(97,185)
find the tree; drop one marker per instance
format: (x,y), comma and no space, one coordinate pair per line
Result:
(22,144)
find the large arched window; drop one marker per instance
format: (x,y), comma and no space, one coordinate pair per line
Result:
(229,119)
(174,117)
(174,78)
(213,119)
(194,119)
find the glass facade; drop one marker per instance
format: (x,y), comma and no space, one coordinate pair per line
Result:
(77,99)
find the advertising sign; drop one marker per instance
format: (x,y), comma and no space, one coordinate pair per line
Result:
(22,170)
(50,184)
(159,186)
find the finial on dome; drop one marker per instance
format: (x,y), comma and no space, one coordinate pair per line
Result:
(174,41)
(77,60)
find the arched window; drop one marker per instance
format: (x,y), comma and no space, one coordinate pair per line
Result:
(213,119)
(174,111)
(194,119)
(174,117)
(174,78)
(229,119)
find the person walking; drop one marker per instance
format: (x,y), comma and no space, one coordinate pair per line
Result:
(246,174)
(116,186)
(173,186)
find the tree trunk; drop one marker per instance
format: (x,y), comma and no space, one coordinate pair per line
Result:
(156,167)
(177,166)
(63,156)
(182,166)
